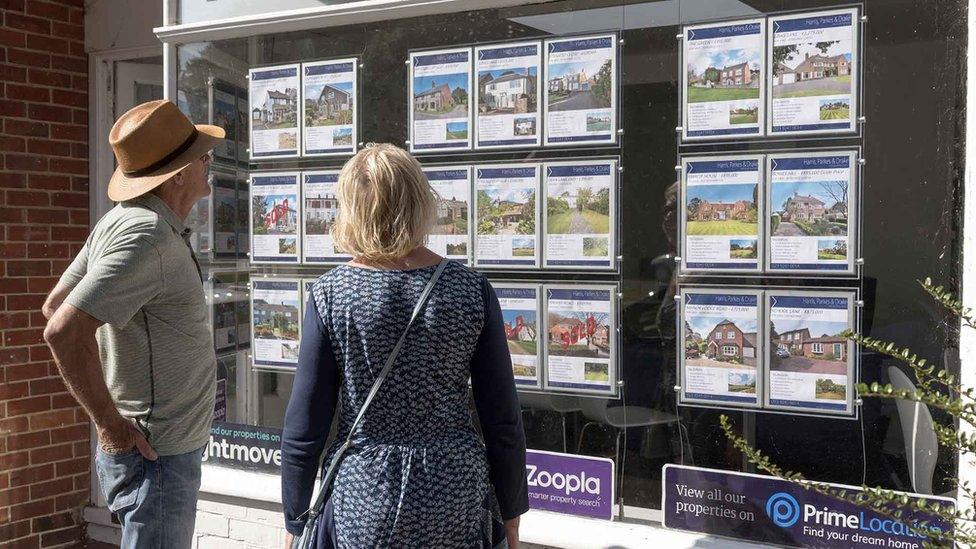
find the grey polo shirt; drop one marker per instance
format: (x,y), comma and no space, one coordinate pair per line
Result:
(137,274)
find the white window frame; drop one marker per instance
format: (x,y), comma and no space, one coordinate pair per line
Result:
(817,348)
(730,350)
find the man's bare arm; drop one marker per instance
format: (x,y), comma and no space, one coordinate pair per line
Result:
(70,333)
(55,299)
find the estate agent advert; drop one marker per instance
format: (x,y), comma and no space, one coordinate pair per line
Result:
(223,113)
(520,311)
(810,362)
(580,227)
(581,90)
(721,348)
(440,109)
(507,215)
(580,338)
(720,218)
(773,511)
(276,321)
(273,96)
(812,207)
(509,94)
(451,235)
(570,484)
(274,218)
(724,84)
(813,80)
(329,107)
(320,207)
(224,198)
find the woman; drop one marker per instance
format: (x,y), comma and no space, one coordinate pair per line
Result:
(418,474)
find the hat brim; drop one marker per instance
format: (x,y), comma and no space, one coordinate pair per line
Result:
(123,187)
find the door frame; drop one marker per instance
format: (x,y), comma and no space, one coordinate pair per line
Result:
(101,117)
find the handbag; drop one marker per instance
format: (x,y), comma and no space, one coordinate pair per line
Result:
(310,532)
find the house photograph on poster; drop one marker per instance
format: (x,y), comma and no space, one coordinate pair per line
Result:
(812,347)
(813,69)
(581,86)
(714,342)
(278,321)
(441,96)
(510,91)
(521,332)
(506,211)
(274,214)
(581,334)
(727,75)
(817,208)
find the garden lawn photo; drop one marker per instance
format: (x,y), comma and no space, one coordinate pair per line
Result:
(829,390)
(743,248)
(835,109)
(587,211)
(722,210)
(742,382)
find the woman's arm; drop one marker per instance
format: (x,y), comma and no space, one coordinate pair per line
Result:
(499,413)
(308,418)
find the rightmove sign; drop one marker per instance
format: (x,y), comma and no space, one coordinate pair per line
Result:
(773,511)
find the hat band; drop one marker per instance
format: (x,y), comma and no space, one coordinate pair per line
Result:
(166,159)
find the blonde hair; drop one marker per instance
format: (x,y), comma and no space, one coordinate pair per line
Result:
(386,205)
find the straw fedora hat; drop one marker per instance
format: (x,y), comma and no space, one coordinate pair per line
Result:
(152,142)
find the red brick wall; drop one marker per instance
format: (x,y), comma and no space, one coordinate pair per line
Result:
(44,444)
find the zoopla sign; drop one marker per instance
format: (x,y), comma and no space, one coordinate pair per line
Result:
(770,510)
(572,484)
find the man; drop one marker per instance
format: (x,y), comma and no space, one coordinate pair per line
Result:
(127,324)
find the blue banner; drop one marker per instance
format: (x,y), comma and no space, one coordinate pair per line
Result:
(269,74)
(504,173)
(441,58)
(813,23)
(773,511)
(515,293)
(321,177)
(724,166)
(508,52)
(732,300)
(588,294)
(446,175)
(808,302)
(581,44)
(810,162)
(723,32)
(578,170)
(331,68)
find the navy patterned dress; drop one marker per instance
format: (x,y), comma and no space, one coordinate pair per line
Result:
(418,474)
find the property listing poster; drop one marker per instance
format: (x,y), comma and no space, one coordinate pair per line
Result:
(243,306)
(329,107)
(273,100)
(223,301)
(243,216)
(723,79)
(813,81)
(224,196)
(720,220)
(520,311)
(580,214)
(580,338)
(440,95)
(509,94)
(581,90)
(721,350)
(243,128)
(507,215)
(812,206)
(320,208)
(223,113)
(451,235)
(276,321)
(198,221)
(810,364)
(274,218)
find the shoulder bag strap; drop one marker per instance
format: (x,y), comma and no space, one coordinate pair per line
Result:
(330,473)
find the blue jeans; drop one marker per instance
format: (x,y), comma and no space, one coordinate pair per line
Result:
(156,501)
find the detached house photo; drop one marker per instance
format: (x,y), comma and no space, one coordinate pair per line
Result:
(328,104)
(441,96)
(320,213)
(278,110)
(722,210)
(507,92)
(812,69)
(728,75)
(720,342)
(810,209)
(797,349)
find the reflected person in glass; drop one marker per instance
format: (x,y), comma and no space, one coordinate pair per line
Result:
(417,474)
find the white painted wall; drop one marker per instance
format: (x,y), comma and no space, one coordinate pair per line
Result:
(121,24)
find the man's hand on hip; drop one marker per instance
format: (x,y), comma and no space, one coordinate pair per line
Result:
(123,436)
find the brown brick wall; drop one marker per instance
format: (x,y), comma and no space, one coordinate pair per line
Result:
(44,444)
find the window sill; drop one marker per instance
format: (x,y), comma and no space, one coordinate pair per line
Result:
(226,481)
